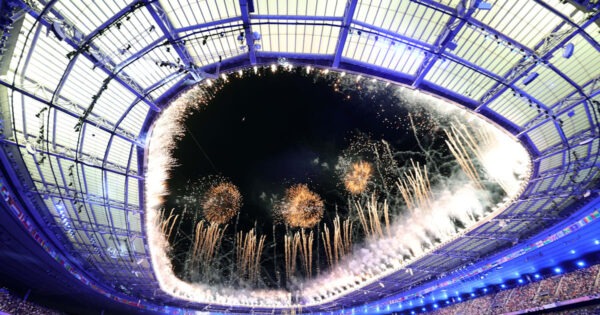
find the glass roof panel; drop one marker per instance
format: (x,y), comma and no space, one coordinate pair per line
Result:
(575,120)
(83,82)
(154,66)
(548,88)
(403,17)
(210,46)
(383,52)
(184,13)
(544,136)
(514,108)
(89,15)
(576,67)
(459,79)
(484,51)
(307,39)
(119,151)
(136,32)
(524,21)
(302,7)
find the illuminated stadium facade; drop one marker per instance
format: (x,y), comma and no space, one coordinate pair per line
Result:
(82,84)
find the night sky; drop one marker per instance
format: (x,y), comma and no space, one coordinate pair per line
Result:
(269,131)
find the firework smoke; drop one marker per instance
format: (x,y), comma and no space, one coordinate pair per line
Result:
(301,207)
(357,178)
(221,202)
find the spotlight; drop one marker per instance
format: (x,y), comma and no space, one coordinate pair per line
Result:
(580,263)
(57,30)
(532,76)
(482,5)
(568,52)
(557,270)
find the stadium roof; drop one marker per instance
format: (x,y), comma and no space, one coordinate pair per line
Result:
(81,83)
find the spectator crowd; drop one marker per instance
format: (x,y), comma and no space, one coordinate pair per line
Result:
(11,304)
(582,282)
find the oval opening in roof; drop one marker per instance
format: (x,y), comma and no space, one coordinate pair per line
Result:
(297,186)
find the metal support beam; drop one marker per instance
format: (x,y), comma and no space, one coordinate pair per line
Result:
(68,193)
(84,159)
(96,56)
(344,30)
(296,17)
(91,119)
(164,23)
(451,29)
(460,254)
(581,30)
(547,47)
(245,9)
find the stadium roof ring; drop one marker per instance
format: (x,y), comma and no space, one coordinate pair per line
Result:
(82,84)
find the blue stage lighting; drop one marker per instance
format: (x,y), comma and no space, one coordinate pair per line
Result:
(537,276)
(520,280)
(503,286)
(568,52)
(530,78)
(580,263)
(572,251)
(557,270)
(482,5)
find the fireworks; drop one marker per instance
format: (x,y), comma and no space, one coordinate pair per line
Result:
(342,241)
(167,225)
(301,207)
(462,145)
(221,202)
(249,249)
(306,250)
(207,240)
(357,178)
(373,176)
(371,222)
(415,187)
(291,253)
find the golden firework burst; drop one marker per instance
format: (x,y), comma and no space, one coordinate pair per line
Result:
(301,207)
(221,202)
(357,177)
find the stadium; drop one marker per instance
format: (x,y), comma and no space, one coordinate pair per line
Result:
(474,188)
